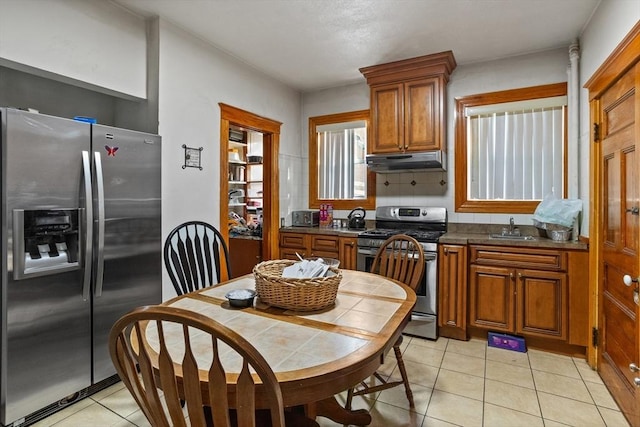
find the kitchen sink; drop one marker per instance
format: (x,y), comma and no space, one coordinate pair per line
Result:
(511,237)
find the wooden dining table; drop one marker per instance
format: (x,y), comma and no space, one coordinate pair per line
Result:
(314,355)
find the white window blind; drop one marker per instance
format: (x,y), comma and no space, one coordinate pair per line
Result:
(516,149)
(342,172)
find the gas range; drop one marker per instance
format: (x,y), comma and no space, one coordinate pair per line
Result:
(424,223)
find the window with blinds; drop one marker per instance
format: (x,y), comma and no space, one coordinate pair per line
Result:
(337,169)
(513,149)
(342,171)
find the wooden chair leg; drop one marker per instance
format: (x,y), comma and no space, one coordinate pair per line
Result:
(403,373)
(347,405)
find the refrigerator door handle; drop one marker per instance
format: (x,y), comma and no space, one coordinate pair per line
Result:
(100,234)
(86,169)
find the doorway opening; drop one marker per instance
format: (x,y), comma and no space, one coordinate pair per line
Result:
(249,193)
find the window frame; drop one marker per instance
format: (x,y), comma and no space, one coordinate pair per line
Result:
(462,204)
(314,122)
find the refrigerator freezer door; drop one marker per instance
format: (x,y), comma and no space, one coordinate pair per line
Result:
(132,271)
(45,329)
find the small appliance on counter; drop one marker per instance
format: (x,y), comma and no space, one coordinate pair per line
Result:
(305,218)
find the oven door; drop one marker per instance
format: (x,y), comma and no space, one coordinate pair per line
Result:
(424,318)
(365,258)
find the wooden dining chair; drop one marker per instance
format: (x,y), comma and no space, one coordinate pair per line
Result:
(401,258)
(167,370)
(196,256)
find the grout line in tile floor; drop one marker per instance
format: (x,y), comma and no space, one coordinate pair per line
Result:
(455,383)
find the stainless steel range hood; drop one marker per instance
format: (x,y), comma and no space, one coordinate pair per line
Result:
(408,162)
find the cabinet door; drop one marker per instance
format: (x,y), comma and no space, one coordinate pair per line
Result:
(244,254)
(387,123)
(491,298)
(542,303)
(452,291)
(348,252)
(422,115)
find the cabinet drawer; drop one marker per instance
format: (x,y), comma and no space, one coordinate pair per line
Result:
(325,243)
(546,259)
(293,240)
(288,253)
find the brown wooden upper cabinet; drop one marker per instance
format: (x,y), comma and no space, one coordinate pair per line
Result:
(408,103)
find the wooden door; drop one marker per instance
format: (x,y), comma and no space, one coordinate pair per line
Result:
(618,313)
(422,115)
(491,298)
(541,303)
(387,124)
(452,291)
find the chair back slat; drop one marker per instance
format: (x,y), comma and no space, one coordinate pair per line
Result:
(218,398)
(199,258)
(173,366)
(167,379)
(208,261)
(401,258)
(191,382)
(196,256)
(245,403)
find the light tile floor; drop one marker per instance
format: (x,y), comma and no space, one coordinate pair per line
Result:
(455,383)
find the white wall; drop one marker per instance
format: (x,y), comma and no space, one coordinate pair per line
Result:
(91,44)
(396,189)
(194,78)
(609,25)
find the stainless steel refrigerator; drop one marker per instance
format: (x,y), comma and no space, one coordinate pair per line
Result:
(81,245)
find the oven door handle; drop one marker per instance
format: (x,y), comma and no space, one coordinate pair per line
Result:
(363,251)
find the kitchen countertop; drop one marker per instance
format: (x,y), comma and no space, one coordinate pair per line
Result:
(478,234)
(465,238)
(465,234)
(346,232)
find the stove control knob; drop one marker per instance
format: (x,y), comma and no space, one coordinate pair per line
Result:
(424,212)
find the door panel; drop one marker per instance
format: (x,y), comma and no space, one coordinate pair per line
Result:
(46,323)
(387,112)
(491,298)
(132,238)
(422,114)
(542,303)
(618,312)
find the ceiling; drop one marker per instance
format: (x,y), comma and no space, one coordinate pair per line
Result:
(316,44)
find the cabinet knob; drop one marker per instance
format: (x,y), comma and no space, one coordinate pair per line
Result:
(636,381)
(633,367)
(446,251)
(519,275)
(352,244)
(511,275)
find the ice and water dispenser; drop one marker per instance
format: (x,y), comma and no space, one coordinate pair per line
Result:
(45,242)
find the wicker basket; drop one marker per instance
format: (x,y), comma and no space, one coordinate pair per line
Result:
(294,294)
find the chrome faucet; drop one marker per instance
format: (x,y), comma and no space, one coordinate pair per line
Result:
(512,230)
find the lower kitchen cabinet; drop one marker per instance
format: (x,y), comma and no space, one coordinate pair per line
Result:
(520,301)
(348,252)
(244,255)
(452,291)
(538,293)
(343,248)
